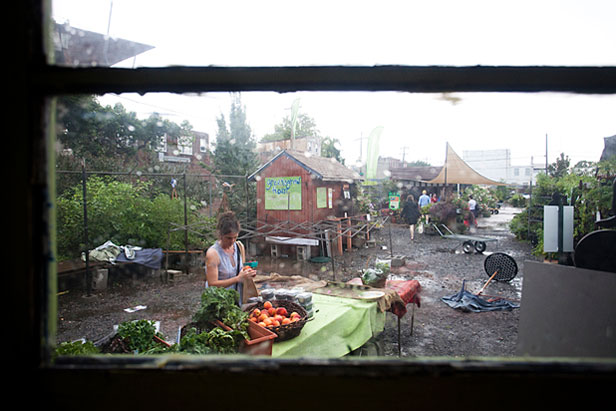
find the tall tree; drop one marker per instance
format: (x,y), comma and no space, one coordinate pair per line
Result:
(108,138)
(560,167)
(329,148)
(305,126)
(235,152)
(236,155)
(111,137)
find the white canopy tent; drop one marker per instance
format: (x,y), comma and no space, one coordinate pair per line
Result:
(456,171)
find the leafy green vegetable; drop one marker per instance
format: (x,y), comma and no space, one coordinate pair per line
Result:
(236,319)
(194,342)
(139,335)
(372,276)
(221,304)
(383,266)
(203,336)
(76,348)
(214,341)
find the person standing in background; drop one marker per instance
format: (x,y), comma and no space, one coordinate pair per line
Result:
(424,199)
(411,213)
(472,206)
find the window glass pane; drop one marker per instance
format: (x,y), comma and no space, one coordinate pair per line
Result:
(133,33)
(146,155)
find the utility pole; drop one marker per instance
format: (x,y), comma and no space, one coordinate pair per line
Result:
(294,113)
(106,46)
(361,145)
(546,154)
(86,240)
(361,149)
(530,198)
(529,216)
(403,154)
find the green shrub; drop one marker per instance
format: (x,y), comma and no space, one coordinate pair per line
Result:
(452,213)
(485,198)
(587,192)
(518,201)
(125,214)
(443,213)
(519,225)
(426,209)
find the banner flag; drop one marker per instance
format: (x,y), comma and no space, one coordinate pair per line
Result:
(294,113)
(373,155)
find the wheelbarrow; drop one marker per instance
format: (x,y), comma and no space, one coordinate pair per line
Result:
(468,242)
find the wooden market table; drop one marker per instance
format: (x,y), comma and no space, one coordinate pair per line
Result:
(340,325)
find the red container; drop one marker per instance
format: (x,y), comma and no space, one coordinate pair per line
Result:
(260,342)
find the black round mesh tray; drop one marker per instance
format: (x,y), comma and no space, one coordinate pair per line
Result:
(504,266)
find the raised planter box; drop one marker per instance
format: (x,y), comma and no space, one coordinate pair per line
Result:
(261,341)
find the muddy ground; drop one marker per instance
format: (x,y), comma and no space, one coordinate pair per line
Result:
(438,264)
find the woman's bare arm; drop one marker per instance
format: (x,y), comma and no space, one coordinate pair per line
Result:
(212,260)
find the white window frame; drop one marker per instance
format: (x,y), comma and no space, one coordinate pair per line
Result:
(162,144)
(185,145)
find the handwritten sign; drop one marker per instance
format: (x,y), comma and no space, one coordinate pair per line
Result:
(283,193)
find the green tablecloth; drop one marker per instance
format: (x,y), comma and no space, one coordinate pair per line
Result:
(339,326)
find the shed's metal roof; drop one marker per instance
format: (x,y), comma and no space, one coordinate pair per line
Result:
(324,168)
(415,173)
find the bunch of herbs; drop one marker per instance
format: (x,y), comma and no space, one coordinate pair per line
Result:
(76,348)
(221,304)
(214,341)
(139,335)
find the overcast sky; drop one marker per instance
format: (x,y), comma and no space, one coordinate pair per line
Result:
(416,126)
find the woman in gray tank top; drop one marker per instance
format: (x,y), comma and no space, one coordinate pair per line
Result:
(223,260)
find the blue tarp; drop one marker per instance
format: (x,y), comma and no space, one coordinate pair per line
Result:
(149,257)
(468,302)
(111,253)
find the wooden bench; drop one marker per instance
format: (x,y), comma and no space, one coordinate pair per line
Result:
(77,266)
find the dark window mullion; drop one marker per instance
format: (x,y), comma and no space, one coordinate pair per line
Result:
(589,80)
